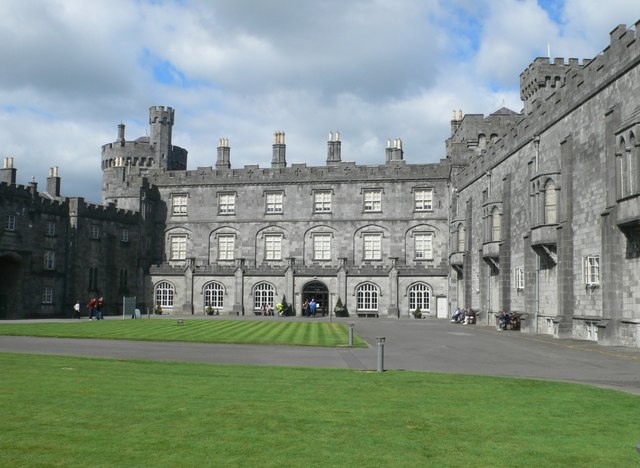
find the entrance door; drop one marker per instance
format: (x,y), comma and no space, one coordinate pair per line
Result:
(442,307)
(318,291)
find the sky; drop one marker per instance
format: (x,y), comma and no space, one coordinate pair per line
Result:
(374,70)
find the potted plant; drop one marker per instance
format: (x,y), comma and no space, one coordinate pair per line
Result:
(340,310)
(417,313)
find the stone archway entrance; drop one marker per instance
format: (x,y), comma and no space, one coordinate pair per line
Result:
(318,291)
(10,286)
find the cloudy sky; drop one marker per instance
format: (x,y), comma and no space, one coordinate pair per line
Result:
(72,70)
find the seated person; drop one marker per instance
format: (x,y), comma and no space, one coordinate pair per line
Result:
(457,316)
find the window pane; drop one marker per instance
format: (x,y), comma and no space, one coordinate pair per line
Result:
(179,204)
(321,247)
(424,249)
(322,202)
(424,199)
(226,247)
(372,200)
(273,247)
(274,203)
(372,247)
(178,247)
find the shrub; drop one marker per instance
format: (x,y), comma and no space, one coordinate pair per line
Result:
(210,310)
(417,313)
(340,310)
(283,308)
(157,309)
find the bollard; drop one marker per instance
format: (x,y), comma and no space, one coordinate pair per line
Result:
(380,340)
(351,333)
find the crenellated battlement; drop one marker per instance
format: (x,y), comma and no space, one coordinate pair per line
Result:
(25,195)
(161,114)
(78,207)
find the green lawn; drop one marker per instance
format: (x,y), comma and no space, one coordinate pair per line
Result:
(205,331)
(66,411)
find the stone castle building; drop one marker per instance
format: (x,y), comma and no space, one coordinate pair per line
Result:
(535,212)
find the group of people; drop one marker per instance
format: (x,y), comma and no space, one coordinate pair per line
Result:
(466,317)
(506,320)
(267,309)
(95,306)
(309,308)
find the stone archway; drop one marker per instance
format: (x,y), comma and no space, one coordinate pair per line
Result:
(317,290)
(10,286)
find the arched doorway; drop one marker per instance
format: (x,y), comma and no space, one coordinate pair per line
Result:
(318,291)
(10,286)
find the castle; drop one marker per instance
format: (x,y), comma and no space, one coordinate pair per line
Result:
(535,212)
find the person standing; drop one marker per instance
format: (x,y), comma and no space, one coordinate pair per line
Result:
(100,308)
(313,305)
(92,307)
(76,310)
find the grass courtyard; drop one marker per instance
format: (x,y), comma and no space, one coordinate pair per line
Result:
(201,331)
(74,411)
(67,411)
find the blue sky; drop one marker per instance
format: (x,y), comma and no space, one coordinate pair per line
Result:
(243,69)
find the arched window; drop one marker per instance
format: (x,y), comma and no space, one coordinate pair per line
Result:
(420,297)
(214,295)
(550,203)
(461,234)
(367,297)
(165,293)
(482,141)
(262,294)
(496,224)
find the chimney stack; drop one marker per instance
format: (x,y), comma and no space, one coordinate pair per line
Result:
(8,173)
(279,151)
(53,182)
(224,154)
(334,152)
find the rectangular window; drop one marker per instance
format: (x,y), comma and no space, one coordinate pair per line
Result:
(123,279)
(227,203)
(49,260)
(592,270)
(95,232)
(51,228)
(124,235)
(179,204)
(226,247)
(424,246)
(178,247)
(372,200)
(423,199)
(10,223)
(372,247)
(322,247)
(273,247)
(322,202)
(519,276)
(274,203)
(47,295)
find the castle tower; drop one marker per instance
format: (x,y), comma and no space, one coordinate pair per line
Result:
(334,156)
(161,120)
(542,78)
(224,154)
(279,151)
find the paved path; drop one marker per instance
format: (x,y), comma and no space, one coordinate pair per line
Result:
(422,345)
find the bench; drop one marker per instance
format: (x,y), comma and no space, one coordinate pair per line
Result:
(368,314)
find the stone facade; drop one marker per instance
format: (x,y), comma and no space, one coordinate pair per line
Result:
(550,206)
(55,250)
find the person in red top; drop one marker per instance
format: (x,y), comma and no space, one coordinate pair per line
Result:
(92,307)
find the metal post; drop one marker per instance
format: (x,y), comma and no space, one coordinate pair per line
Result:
(351,333)
(380,340)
